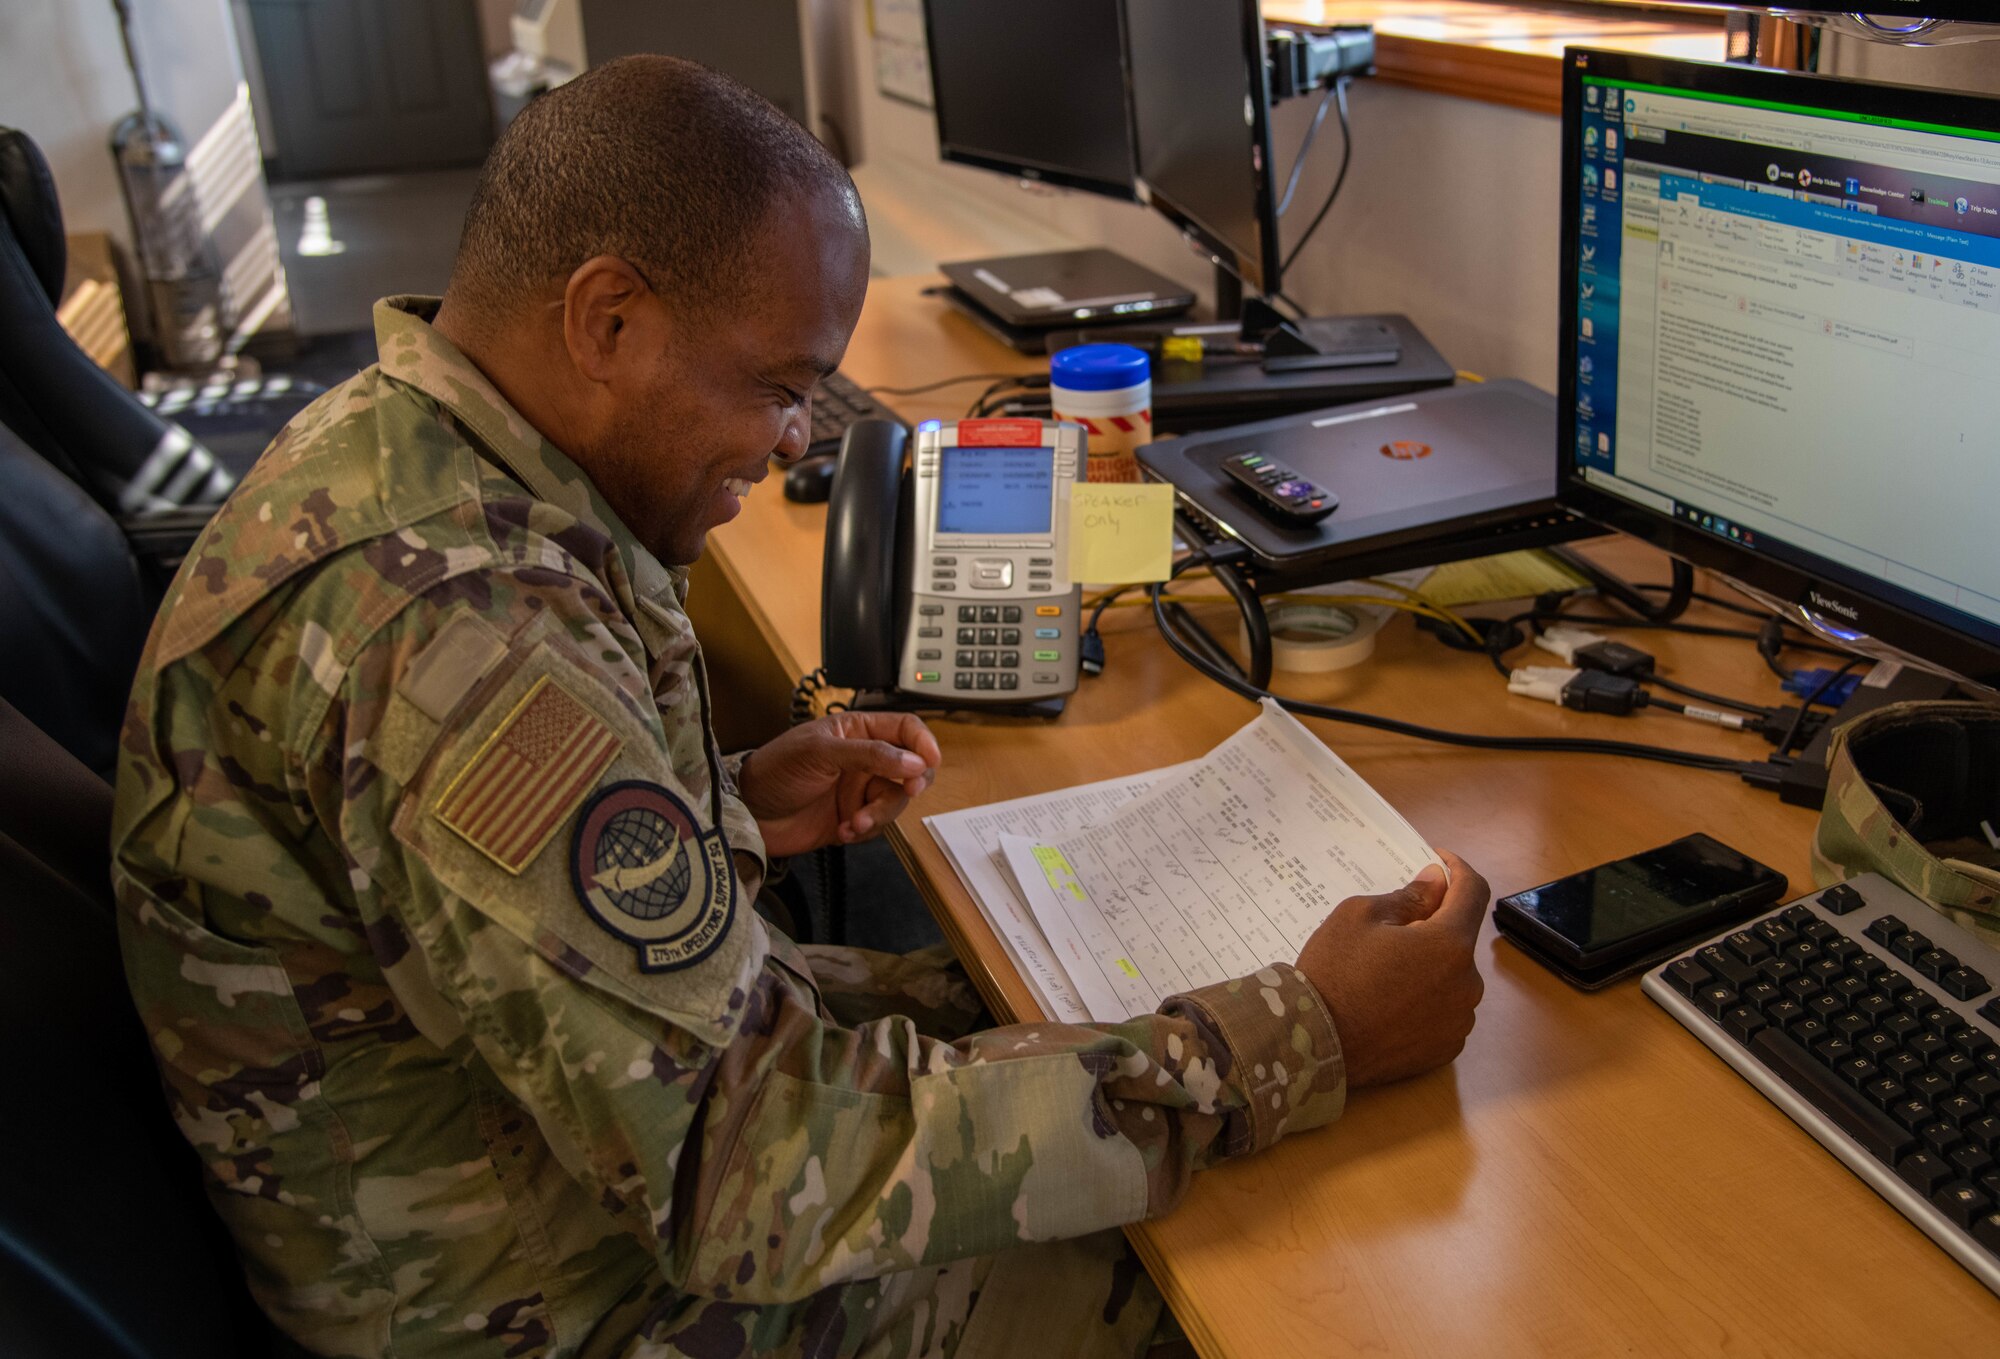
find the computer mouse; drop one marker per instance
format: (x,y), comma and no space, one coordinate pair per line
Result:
(810,481)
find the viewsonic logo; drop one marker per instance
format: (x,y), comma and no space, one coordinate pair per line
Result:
(1820,601)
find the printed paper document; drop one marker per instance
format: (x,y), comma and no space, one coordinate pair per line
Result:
(1112,896)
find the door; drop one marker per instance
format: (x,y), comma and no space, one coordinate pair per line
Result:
(361,86)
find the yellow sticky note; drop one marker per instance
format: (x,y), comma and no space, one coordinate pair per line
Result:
(1121,532)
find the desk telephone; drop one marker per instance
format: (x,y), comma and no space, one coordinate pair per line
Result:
(947,582)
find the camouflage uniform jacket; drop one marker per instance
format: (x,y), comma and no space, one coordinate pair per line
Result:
(428,901)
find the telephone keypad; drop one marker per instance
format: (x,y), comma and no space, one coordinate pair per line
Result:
(930,610)
(990,657)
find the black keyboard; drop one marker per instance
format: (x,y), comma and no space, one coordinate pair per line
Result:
(1872,1021)
(838,403)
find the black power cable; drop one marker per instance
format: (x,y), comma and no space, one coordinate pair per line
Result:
(1305,148)
(1252,610)
(1340,178)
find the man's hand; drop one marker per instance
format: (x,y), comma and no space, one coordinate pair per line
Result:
(1398,975)
(837,779)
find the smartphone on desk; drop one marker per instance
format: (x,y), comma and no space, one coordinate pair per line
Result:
(1594,927)
(946,580)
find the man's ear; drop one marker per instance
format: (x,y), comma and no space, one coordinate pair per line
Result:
(609,314)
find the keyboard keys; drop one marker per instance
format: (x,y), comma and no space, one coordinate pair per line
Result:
(1851,1026)
(1840,899)
(1954,1066)
(1687,976)
(1760,994)
(1883,1091)
(1908,945)
(1961,1203)
(1856,1071)
(1715,999)
(1910,1113)
(1984,1087)
(1777,970)
(1747,946)
(1962,983)
(1969,1040)
(1902,1065)
(1741,1021)
(1934,962)
(1726,965)
(1885,929)
(1940,1137)
(1925,1172)
(1883,1137)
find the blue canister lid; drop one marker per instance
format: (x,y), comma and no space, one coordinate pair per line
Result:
(1099,367)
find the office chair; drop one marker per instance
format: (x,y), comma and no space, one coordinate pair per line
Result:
(74,607)
(52,395)
(107,1245)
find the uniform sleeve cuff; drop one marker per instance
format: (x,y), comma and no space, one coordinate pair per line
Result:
(732,772)
(1283,1053)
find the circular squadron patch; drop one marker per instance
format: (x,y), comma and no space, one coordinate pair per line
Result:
(646,871)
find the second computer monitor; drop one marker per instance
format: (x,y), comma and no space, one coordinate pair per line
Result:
(1781,302)
(1033,88)
(1201,121)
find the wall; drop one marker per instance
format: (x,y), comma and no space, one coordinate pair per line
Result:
(63,80)
(1449,213)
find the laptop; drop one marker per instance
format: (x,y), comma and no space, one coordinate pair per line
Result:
(1425,478)
(1041,292)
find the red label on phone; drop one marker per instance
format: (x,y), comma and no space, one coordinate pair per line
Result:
(999,434)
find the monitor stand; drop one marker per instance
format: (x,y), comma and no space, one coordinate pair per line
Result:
(1314,342)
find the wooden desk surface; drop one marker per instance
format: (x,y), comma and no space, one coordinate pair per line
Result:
(1586,1178)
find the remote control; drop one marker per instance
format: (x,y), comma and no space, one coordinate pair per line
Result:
(1279,489)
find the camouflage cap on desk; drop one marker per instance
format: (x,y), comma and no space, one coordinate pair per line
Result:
(1859,833)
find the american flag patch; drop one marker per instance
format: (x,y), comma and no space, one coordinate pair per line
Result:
(528,777)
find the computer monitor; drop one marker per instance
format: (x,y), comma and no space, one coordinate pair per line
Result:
(1887,13)
(1201,119)
(1781,339)
(1034,89)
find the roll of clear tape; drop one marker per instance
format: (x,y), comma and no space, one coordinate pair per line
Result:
(1309,639)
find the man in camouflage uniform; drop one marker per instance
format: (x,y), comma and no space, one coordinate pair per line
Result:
(436,896)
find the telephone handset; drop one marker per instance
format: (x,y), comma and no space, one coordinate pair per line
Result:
(947,581)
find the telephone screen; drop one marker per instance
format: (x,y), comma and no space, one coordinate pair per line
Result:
(995,490)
